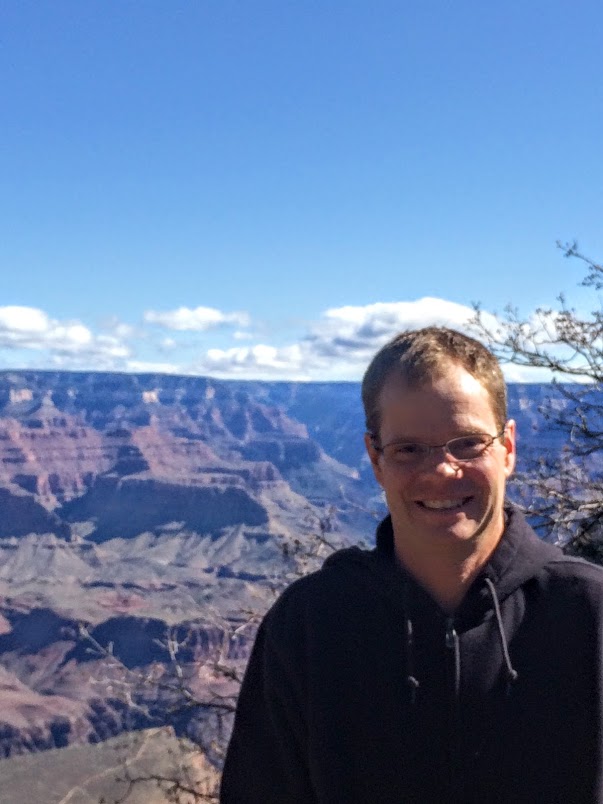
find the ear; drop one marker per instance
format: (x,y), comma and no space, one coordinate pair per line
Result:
(374,456)
(509,442)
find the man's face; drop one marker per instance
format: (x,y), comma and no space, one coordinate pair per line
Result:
(437,501)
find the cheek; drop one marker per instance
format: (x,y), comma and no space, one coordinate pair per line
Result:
(395,487)
(494,482)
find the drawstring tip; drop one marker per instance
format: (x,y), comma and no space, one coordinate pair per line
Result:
(512,676)
(413,686)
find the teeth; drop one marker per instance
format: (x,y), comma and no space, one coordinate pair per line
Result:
(438,504)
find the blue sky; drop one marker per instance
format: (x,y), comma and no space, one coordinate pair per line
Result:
(270,189)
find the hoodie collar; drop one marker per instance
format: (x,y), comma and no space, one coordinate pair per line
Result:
(518,556)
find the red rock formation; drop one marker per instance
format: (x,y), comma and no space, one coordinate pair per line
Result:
(136,504)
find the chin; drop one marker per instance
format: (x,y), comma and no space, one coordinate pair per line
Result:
(474,532)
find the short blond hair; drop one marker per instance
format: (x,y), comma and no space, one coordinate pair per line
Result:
(422,354)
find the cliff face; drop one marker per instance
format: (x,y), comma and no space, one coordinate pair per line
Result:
(146,508)
(124,508)
(60,432)
(61,684)
(24,513)
(94,459)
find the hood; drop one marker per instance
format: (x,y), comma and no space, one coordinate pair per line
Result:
(519,556)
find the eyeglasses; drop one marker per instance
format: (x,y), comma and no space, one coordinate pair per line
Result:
(464,448)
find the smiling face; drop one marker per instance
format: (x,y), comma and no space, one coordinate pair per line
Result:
(439,503)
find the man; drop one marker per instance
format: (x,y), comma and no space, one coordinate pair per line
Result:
(458,661)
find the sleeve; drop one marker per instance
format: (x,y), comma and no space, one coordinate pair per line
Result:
(266,762)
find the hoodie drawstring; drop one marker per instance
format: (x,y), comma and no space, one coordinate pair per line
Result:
(411,680)
(512,674)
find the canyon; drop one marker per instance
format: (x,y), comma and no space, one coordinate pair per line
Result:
(147,523)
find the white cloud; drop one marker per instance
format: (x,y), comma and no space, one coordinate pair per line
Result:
(111,346)
(26,320)
(122,330)
(525,374)
(151,367)
(344,340)
(338,346)
(345,331)
(199,319)
(28,329)
(260,362)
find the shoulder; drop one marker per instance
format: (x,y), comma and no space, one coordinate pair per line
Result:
(524,558)
(574,575)
(335,576)
(328,598)
(569,589)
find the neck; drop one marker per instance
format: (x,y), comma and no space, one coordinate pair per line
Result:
(446,574)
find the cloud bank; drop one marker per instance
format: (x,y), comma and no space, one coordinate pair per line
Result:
(199,319)
(28,329)
(337,346)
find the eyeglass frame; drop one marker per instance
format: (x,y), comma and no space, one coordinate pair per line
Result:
(429,448)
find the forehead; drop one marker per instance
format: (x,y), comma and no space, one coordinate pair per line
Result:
(448,403)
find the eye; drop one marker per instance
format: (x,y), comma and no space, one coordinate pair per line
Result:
(468,446)
(407,449)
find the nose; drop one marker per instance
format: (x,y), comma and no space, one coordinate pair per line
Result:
(439,460)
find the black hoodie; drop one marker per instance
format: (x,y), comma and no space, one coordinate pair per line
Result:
(360,689)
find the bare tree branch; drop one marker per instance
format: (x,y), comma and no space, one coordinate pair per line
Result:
(562,493)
